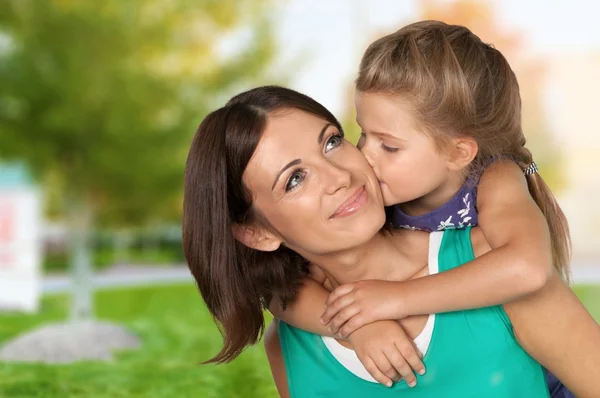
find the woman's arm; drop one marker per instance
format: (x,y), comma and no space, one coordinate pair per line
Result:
(554,328)
(276,362)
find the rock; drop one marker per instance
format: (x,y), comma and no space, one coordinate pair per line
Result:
(69,342)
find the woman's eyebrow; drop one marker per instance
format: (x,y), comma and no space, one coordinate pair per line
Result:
(322,133)
(298,161)
(287,166)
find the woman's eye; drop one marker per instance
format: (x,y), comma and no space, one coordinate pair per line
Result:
(388,148)
(295,179)
(333,142)
(361,140)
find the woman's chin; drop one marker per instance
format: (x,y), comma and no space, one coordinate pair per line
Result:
(373,223)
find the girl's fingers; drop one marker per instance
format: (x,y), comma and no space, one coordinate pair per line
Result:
(338,292)
(335,307)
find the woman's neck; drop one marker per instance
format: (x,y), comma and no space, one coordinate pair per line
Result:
(388,256)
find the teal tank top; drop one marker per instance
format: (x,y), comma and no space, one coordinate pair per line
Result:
(472,353)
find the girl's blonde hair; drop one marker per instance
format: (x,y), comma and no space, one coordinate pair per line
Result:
(460,86)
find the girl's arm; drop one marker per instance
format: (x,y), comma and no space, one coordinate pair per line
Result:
(520,263)
(551,325)
(383,347)
(305,310)
(554,328)
(516,230)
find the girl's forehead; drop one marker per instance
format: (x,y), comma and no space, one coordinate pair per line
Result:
(384,113)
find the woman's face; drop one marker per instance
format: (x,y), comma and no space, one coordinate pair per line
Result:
(314,187)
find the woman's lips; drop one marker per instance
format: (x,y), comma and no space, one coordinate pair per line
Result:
(352,204)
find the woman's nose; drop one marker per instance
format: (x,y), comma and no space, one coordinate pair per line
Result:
(338,177)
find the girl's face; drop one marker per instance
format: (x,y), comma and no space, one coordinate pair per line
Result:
(405,160)
(314,188)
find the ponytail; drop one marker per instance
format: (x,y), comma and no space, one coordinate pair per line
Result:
(558,226)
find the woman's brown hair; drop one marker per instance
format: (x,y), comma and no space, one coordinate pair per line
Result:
(461,86)
(236,282)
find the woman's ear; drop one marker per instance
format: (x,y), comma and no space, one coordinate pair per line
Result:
(256,237)
(464,151)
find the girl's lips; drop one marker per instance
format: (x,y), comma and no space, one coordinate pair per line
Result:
(352,204)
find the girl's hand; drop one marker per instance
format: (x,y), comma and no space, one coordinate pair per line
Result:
(354,305)
(387,353)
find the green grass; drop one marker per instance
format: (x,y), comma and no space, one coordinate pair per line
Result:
(177,333)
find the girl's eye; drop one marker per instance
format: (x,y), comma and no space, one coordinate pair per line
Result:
(361,140)
(294,180)
(388,148)
(334,141)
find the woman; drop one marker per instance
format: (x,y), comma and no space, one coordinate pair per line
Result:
(272,186)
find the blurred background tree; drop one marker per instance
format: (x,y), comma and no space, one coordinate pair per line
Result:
(101,100)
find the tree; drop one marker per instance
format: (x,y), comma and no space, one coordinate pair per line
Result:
(102,99)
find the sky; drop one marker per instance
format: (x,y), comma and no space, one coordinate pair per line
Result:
(325,38)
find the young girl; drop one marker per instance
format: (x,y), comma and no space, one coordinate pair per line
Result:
(441,117)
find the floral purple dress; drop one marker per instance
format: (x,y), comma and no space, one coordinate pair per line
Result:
(458,212)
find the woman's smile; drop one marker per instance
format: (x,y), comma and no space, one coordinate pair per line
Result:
(353,204)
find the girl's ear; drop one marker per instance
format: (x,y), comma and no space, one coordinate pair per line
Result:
(256,238)
(463,152)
